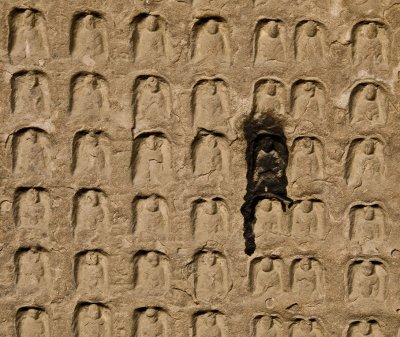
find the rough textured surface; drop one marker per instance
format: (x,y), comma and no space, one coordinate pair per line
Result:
(215,168)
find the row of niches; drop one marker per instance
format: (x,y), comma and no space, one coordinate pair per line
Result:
(271,279)
(210,40)
(95,319)
(367,101)
(366,224)
(32,152)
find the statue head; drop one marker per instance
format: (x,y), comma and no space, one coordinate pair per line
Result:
(371,31)
(309,86)
(367,268)
(211,87)
(153,259)
(305,264)
(211,141)
(153,84)
(209,259)
(29,18)
(94,311)
(92,138)
(31,135)
(210,207)
(91,258)
(311,28)
(89,21)
(92,198)
(212,27)
(152,142)
(369,213)
(370,92)
(266,321)
(307,145)
(151,314)
(210,318)
(369,147)
(152,203)
(266,205)
(33,313)
(272,29)
(33,196)
(364,327)
(307,206)
(151,23)
(267,264)
(34,254)
(306,326)
(270,88)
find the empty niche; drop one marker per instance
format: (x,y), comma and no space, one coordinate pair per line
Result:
(150,217)
(151,272)
(30,95)
(367,223)
(31,152)
(368,105)
(152,102)
(366,327)
(367,279)
(210,219)
(265,276)
(150,40)
(91,154)
(90,215)
(89,41)
(89,96)
(365,163)
(150,321)
(211,279)
(308,100)
(32,209)
(92,319)
(370,44)
(28,35)
(306,163)
(151,159)
(32,322)
(268,99)
(307,278)
(305,327)
(209,323)
(210,106)
(210,42)
(91,272)
(269,218)
(210,154)
(308,220)
(267,326)
(310,42)
(269,42)
(32,270)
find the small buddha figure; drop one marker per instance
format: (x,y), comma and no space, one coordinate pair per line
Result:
(368,50)
(269,44)
(366,107)
(151,274)
(366,282)
(151,218)
(29,37)
(152,106)
(368,224)
(305,328)
(150,324)
(366,163)
(92,275)
(31,271)
(150,45)
(307,279)
(32,210)
(211,44)
(92,322)
(90,41)
(268,279)
(268,217)
(207,326)
(208,157)
(366,328)
(305,222)
(32,324)
(211,278)
(268,326)
(91,217)
(309,102)
(209,220)
(32,153)
(309,44)
(268,101)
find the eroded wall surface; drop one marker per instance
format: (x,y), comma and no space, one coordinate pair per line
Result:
(215,168)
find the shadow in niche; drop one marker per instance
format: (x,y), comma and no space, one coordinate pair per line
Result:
(267,159)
